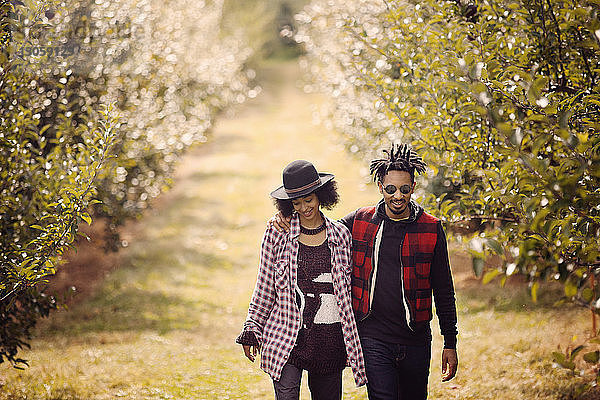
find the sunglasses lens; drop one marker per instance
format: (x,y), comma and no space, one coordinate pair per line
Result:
(390,189)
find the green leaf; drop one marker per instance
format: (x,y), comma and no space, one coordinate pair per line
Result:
(570,288)
(534,291)
(86,217)
(576,351)
(478,264)
(587,295)
(85,235)
(495,245)
(569,365)
(487,278)
(504,128)
(592,357)
(560,358)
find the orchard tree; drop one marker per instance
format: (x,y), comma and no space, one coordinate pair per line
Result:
(170,70)
(61,150)
(503,101)
(46,183)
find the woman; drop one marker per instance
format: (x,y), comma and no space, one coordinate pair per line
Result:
(300,315)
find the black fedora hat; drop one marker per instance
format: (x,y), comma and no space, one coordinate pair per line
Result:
(300,178)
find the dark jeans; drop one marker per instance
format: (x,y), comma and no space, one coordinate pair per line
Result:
(396,371)
(322,387)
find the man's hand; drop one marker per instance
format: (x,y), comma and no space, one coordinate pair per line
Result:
(449,364)
(279,222)
(250,352)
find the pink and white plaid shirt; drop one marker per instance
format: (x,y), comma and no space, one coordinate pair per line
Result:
(273,314)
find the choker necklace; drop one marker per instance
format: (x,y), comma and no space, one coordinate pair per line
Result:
(313,231)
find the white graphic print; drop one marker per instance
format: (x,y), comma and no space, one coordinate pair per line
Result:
(328,312)
(324,278)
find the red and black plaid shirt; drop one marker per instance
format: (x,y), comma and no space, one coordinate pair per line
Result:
(420,265)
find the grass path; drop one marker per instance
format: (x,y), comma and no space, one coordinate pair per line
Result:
(162,325)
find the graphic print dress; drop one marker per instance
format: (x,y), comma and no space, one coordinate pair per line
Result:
(320,344)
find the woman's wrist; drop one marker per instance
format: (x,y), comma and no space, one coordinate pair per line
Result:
(247,338)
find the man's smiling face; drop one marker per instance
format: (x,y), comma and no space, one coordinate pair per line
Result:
(396,202)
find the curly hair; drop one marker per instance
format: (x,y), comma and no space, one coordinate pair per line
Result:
(399,158)
(327,194)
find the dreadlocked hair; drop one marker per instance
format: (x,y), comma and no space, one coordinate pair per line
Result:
(399,158)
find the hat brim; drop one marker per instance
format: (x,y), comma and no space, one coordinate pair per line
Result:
(281,194)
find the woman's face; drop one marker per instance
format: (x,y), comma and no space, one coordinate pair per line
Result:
(307,208)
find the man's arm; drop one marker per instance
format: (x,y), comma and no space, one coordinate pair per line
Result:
(348,220)
(282,224)
(445,303)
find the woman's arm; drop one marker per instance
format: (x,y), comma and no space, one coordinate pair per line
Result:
(263,297)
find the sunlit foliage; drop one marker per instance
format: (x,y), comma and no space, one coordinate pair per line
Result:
(268,25)
(168,70)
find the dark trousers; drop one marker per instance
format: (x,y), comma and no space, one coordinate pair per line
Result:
(395,371)
(322,387)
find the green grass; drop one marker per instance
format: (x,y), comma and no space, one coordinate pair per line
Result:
(162,325)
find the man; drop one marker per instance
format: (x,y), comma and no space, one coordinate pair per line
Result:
(400,262)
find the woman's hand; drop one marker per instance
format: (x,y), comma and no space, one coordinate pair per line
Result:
(251,352)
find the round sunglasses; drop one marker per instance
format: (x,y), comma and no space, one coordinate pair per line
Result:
(391,189)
